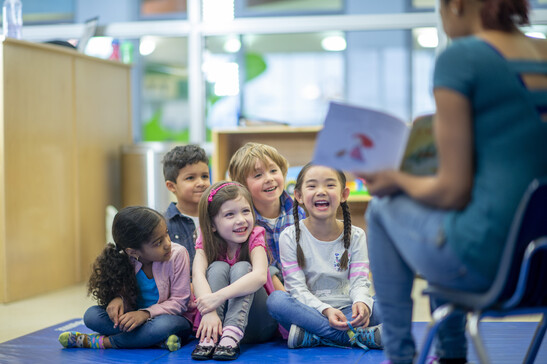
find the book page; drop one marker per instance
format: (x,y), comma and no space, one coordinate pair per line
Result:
(420,156)
(357,139)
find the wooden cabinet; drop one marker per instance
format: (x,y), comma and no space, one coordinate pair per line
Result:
(63,119)
(294,143)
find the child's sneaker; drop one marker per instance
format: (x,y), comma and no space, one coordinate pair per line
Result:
(367,337)
(172,343)
(300,338)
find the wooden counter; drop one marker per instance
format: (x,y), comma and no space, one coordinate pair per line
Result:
(63,119)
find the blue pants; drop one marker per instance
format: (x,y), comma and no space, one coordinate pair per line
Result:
(152,332)
(289,311)
(406,238)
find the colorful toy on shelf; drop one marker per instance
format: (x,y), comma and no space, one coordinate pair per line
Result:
(357,187)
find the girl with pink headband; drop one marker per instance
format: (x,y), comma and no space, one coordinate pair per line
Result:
(230,274)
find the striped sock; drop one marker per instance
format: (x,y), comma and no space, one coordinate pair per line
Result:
(74,339)
(231,336)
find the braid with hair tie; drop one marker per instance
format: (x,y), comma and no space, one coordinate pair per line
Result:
(299,253)
(347,235)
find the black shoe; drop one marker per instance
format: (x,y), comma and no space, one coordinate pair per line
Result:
(203,352)
(226,353)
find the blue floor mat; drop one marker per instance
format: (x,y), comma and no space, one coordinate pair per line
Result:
(506,343)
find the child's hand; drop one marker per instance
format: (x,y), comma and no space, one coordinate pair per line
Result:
(209,302)
(337,320)
(361,315)
(115,310)
(133,319)
(210,327)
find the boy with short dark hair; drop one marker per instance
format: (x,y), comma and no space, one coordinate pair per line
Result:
(262,169)
(186,173)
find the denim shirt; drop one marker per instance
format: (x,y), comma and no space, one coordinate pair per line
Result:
(181,230)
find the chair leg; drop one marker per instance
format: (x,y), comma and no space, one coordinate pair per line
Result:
(437,317)
(473,329)
(536,341)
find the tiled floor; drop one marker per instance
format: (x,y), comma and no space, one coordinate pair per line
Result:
(26,316)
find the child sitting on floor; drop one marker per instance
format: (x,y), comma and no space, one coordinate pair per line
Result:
(142,286)
(230,274)
(325,266)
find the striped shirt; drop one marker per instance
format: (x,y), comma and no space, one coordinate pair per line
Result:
(322,284)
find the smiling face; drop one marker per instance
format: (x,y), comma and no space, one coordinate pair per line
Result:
(321,192)
(192,181)
(234,221)
(158,248)
(266,183)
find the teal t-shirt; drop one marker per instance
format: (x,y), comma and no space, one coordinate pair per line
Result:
(148,291)
(510,145)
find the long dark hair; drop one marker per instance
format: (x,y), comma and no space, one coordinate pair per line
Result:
(209,205)
(113,274)
(344,260)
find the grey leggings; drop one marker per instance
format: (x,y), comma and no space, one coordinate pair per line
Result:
(248,313)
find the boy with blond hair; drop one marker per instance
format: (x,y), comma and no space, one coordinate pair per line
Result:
(186,173)
(262,169)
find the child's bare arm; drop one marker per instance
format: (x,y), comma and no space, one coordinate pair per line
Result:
(277,283)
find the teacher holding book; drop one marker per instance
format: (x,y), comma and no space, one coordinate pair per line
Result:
(490,89)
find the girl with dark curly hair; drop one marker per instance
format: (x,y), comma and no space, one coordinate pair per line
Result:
(142,287)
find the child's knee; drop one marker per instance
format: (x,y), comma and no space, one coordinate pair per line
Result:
(239,269)
(275,300)
(92,317)
(217,268)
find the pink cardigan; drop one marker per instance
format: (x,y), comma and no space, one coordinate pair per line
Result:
(173,282)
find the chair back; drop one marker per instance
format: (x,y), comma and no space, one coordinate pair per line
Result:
(529,224)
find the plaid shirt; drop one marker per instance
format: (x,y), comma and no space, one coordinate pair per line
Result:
(284,219)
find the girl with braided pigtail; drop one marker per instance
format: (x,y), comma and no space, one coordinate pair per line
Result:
(325,268)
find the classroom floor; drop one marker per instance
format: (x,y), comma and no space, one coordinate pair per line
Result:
(26,316)
(29,330)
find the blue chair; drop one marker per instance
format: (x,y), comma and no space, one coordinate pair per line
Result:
(520,286)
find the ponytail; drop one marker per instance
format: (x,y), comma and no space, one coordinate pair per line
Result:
(113,275)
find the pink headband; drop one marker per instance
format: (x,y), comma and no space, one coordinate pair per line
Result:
(215,190)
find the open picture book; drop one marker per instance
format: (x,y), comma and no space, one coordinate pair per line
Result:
(357,139)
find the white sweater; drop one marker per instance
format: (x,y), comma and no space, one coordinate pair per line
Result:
(322,284)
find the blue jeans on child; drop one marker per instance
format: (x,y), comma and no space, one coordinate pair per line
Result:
(288,311)
(406,238)
(152,332)
(248,313)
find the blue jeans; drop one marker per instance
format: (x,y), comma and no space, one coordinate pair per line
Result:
(288,311)
(248,313)
(150,333)
(406,238)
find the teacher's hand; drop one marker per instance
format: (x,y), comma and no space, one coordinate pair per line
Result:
(381,183)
